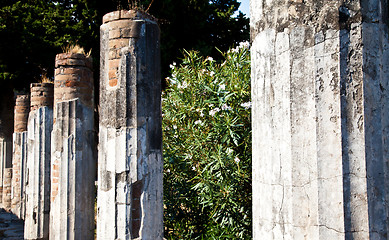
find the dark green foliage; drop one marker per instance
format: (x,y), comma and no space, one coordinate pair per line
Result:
(199,25)
(33,32)
(207,148)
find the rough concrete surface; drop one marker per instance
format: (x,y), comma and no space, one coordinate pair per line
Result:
(320,119)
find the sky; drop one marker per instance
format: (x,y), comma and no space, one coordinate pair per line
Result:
(245,7)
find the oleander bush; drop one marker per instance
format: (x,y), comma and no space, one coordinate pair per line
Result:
(207,147)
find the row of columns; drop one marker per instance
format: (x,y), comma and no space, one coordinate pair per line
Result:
(50,179)
(320,128)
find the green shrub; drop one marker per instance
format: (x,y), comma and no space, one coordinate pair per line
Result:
(207,147)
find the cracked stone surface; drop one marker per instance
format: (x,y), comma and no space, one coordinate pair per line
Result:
(129,196)
(73,163)
(320,119)
(37,183)
(18,173)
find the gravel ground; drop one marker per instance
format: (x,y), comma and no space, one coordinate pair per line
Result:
(11,227)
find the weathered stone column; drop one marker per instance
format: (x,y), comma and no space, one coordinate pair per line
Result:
(130,140)
(7,113)
(72,149)
(5,159)
(13,186)
(18,169)
(320,82)
(37,187)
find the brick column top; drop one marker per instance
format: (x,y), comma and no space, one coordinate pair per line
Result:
(73,78)
(127,14)
(22,108)
(42,94)
(73,59)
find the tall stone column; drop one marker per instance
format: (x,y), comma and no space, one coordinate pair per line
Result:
(320,82)
(13,186)
(5,159)
(7,109)
(37,184)
(130,140)
(73,162)
(18,169)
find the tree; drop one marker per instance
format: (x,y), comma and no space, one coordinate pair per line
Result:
(33,32)
(207,148)
(200,25)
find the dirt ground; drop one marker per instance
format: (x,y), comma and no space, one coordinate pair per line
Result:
(11,227)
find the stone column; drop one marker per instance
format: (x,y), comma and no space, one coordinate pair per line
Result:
(130,140)
(7,112)
(73,161)
(18,170)
(320,81)
(12,187)
(37,184)
(5,158)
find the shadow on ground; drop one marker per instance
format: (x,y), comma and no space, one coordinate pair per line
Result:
(11,227)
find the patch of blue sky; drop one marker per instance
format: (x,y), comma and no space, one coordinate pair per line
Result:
(244,7)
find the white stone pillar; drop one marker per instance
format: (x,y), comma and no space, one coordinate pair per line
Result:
(73,159)
(320,81)
(37,187)
(14,187)
(18,176)
(129,203)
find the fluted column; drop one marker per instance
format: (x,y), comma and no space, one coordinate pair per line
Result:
(320,81)
(37,187)
(13,187)
(73,157)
